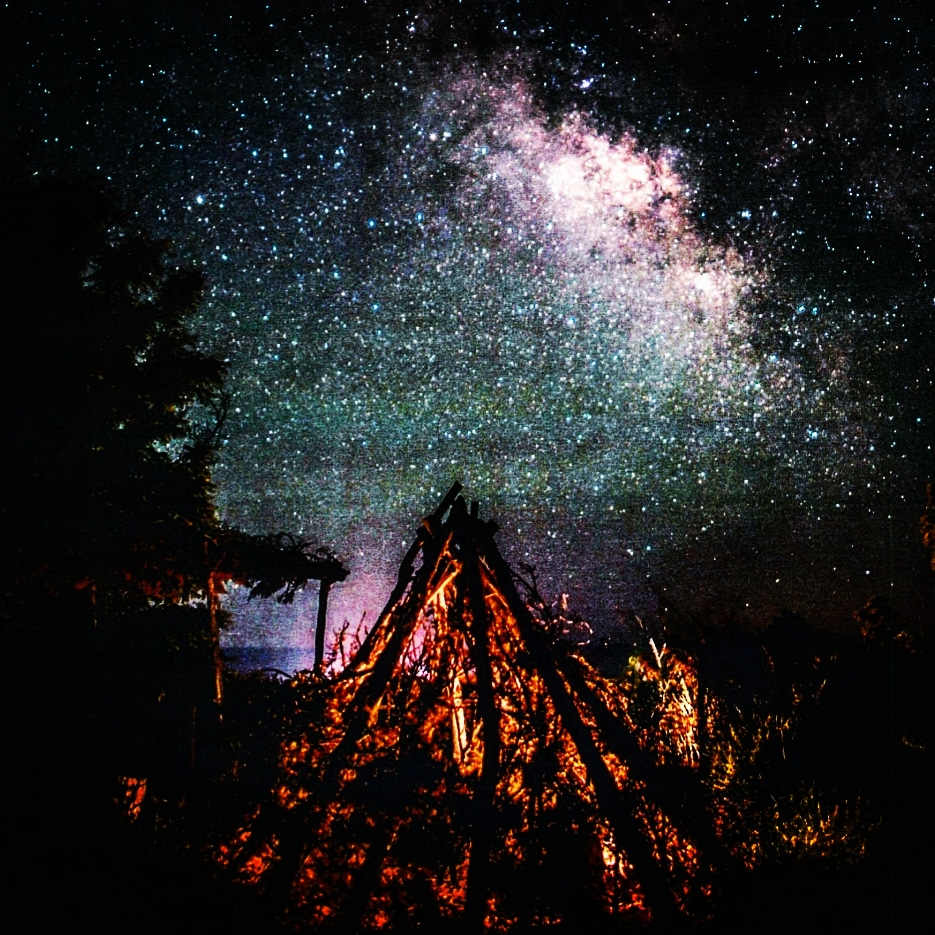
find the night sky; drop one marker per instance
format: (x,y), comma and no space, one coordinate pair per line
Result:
(657,286)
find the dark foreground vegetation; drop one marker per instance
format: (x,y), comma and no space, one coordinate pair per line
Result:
(147,789)
(810,756)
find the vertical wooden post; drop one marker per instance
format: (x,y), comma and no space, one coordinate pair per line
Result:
(321,624)
(213,603)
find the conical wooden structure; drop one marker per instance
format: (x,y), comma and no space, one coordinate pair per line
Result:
(464,771)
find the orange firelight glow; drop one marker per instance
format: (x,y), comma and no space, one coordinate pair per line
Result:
(461,766)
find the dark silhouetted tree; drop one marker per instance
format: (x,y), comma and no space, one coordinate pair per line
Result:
(99,378)
(109,531)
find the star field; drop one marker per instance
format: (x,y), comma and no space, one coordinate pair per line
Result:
(657,287)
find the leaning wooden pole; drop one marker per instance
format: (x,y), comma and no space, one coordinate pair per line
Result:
(483,826)
(618,804)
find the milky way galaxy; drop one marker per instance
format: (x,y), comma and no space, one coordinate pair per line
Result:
(656,289)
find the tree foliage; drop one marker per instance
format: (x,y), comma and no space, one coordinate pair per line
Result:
(106,486)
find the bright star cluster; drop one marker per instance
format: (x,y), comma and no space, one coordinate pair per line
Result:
(633,279)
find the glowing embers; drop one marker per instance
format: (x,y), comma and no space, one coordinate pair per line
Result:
(393,864)
(131,793)
(248,861)
(467,742)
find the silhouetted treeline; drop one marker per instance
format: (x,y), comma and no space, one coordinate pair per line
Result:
(113,553)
